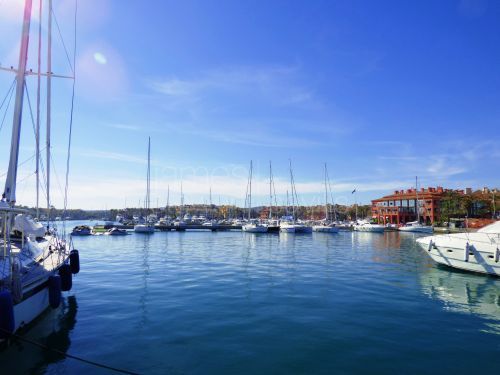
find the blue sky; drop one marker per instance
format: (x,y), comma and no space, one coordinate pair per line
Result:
(380,90)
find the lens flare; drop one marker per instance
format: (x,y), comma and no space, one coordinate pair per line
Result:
(100,58)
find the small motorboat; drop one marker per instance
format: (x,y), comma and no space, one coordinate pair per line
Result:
(144,228)
(82,230)
(366,226)
(116,232)
(254,227)
(325,228)
(415,226)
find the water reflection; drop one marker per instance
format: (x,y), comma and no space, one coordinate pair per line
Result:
(52,330)
(465,292)
(143,297)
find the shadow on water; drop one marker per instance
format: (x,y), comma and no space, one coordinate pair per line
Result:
(52,330)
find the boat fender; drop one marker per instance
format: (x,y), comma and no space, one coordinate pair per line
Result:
(466,253)
(54,291)
(66,277)
(74,261)
(16,286)
(497,255)
(7,325)
(431,245)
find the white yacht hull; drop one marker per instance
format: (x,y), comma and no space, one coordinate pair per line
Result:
(422,229)
(325,229)
(475,252)
(374,229)
(254,229)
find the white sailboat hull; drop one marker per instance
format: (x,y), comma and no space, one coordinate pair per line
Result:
(29,309)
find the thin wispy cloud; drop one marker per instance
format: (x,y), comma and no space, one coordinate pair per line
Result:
(278,84)
(125,127)
(109,155)
(252,134)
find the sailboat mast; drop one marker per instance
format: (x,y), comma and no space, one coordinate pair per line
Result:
(37,131)
(168,199)
(10,183)
(293,189)
(326,197)
(250,192)
(331,195)
(182,203)
(210,197)
(356,202)
(270,191)
(287,203)
(49,96)
(416,199)
(148,177)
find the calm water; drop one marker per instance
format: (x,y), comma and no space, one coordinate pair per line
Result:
(232,302)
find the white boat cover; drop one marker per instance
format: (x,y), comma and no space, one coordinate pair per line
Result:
(25,224)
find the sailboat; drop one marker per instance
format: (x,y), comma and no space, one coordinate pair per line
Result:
(287,224)
(252,226)
(36,264)
(272,224)
(325,226)
(290,225)
(147,227)
(416,226)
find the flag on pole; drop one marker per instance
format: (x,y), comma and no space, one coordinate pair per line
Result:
(353,191)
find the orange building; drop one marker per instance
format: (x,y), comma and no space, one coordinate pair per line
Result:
(401,207)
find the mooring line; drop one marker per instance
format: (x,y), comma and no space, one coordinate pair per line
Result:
(67,355)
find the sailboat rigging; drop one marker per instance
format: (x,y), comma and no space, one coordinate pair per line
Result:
(252,226)
(290,224)
(416,226)
(36,264)
(325,225)
(147,227)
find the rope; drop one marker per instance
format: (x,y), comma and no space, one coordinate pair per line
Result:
(331,195)
(62,40)
(67,355)
(7,94)
(11,91)
(56,176)
(70,126)
(34,132)
(20,164)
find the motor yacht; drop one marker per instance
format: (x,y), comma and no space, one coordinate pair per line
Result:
(116,232)
(366,226)
(82,230)
(415,226)
(470,251)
